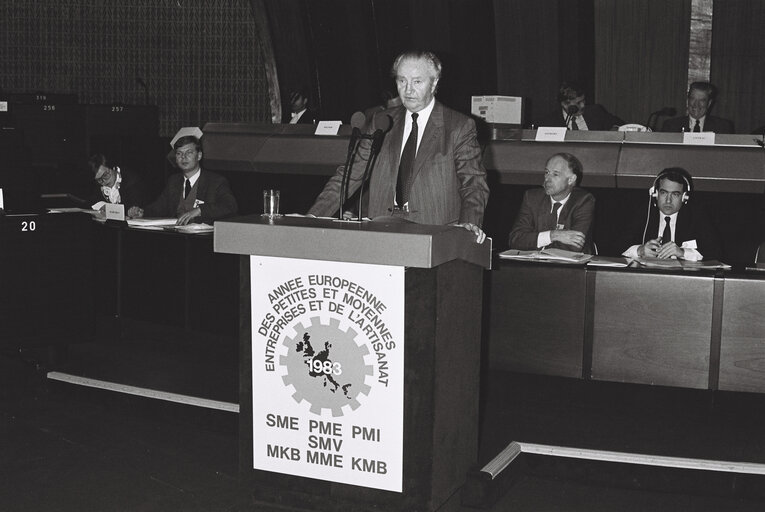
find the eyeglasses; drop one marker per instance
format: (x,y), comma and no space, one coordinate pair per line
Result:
(185,154)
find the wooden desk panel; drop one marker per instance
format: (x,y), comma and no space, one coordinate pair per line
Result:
(742,350)
(537,319)
(652,328)
(523,162)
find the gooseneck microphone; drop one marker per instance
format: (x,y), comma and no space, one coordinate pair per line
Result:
(357,122)
(383,124)
(571,111)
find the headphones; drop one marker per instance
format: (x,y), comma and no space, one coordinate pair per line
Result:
(654,193)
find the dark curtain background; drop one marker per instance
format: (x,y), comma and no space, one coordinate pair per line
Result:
(641,56)
(737,62)
(350,45)
(540,44)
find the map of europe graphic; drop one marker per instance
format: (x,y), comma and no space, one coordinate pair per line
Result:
(309,356)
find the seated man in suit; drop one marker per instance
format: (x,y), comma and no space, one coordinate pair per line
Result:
(429,166)
(115,185)
(580,116)
(194,195)
(671,229)
(300,112)
(701,98)
(558,215)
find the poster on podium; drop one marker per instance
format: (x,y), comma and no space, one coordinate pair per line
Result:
(328,370)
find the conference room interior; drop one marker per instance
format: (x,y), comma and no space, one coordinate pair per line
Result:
(161,311)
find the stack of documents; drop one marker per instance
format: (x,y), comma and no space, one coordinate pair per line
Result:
(151,223)
(550,254)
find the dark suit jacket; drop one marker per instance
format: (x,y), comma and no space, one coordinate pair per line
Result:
(132,191)
(449,180)
(596,117)
(692,224)
(212,188)
(308,117)
(535,217)
(711,124)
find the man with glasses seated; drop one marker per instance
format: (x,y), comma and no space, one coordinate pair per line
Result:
(671,228)
(115,185)
(194,195)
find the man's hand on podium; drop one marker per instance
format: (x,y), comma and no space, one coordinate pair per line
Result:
(480,236)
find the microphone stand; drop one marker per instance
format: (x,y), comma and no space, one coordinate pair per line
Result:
(377,139)
(352,148)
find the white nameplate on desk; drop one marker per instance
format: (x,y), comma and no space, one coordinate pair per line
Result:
(699,138)
(115,211)
(3,106)
(327,127)
(551,133)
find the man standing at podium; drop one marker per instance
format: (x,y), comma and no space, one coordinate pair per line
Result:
(194,195)
(559,214)
(429,166)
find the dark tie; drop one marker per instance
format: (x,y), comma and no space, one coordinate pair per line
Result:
(556,207)
(406,164)
(574,126)
(697,126)
(187,189)
(667,235)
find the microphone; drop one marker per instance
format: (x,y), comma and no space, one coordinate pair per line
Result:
(145,89)
(358,120)
(382,124)
(665,111)
(571,110)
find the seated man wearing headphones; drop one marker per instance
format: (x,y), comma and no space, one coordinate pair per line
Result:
(671,229)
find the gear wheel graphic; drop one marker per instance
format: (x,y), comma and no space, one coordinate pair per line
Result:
(322,342)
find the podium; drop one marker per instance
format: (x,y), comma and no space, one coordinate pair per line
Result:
(359,360)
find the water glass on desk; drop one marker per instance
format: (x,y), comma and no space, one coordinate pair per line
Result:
(270,203)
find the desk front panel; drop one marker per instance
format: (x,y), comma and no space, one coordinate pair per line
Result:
(652,328)
(742,346)
(537,318)
(523,162)
(46,279)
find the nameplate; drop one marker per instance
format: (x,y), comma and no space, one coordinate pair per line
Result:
(699,138)
(327,127)
(551,133)
(115,212)
(3,106)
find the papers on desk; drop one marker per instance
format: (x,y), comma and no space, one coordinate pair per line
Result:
(71,210)
(607,261)
(558,255)
(194,228)
(151,223)
(681,264)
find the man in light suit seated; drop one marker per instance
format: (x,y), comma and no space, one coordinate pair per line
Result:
(559,214)
(429,166)
(672,229)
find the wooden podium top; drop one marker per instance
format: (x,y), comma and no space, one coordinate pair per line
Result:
(387,241)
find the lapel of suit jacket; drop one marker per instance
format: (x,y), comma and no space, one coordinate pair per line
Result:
(430,137)
(682,226)
(201,185)
(395,137)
